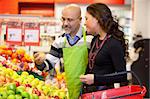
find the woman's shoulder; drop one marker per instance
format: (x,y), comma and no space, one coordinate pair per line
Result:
(112,41)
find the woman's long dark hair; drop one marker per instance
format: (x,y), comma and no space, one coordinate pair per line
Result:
(104,16)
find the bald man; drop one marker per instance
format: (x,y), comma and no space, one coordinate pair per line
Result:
(71,18)
(71,47)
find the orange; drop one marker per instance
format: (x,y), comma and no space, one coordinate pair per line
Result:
(9,52)
(14,55)
(20,52)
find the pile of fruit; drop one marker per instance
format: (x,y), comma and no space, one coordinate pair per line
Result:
(18,85)
(11,91)
(26,86)
(18,60)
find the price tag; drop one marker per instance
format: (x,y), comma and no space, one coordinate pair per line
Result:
(14,36)
(32,37)
(32,34)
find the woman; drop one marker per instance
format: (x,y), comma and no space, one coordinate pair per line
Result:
(108,49)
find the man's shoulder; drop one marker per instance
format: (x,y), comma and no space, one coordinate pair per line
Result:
(59,41)
(62,35)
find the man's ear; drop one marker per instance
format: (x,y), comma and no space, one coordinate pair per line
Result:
(80,18)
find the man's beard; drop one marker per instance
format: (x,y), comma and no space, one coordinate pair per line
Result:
(66,28)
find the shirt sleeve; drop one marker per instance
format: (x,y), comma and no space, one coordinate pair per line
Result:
(54,55)
(110,78)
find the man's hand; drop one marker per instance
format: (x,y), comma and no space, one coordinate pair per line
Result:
(39,58)
(88,79)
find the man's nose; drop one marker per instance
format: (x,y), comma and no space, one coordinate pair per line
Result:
(65,22)
(84,24)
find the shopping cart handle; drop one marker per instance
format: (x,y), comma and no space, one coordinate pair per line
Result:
(143,92)
(125,72)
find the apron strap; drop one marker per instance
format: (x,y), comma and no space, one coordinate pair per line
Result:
(84,34)
(65,41)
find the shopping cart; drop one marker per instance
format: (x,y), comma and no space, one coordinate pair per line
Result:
(125,92)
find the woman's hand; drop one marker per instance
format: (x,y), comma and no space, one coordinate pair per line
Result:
(87,79)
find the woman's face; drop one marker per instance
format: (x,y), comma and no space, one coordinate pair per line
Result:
(91,23)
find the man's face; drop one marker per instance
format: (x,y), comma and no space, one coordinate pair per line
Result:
(70,21)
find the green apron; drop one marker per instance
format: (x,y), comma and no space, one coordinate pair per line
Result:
(75,63)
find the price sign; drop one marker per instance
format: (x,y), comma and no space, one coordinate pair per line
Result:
(14,33)
(14,36)
(32,37)
(32,34)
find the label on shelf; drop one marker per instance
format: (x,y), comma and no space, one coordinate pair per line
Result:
(31,34)
(32,37)
(14,36)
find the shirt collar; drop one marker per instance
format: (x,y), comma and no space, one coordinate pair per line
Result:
(78,34)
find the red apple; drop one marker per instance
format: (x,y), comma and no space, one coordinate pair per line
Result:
(17,83)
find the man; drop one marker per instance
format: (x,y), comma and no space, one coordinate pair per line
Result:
(72,46)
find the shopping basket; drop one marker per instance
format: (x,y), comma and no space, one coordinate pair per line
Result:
(125,92)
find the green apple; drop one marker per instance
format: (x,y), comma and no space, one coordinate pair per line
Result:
(9,71)
(31,76)
(45,89)
(39,87)
(23,77)
(24,73)
(62,95)
(25,94)
(35,96)
(4,95)
(11,97)
(11,86)
(41,82)
(20,89)
(17,96)
(15,75)
(19,80)
(31,96)
(28,80)
(10,92)
(35,82)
